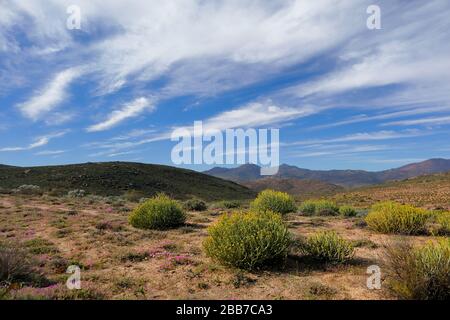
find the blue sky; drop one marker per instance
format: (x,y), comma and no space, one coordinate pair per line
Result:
(342,95)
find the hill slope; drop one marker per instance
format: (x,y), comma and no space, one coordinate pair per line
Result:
(431,191)
(301,189)
(115,178)
(346,178)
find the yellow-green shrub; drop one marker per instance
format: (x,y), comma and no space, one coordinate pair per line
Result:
(327,246)
(248,240)
(443,219)
(391,217)
(319,207)
(347,211)
(159,212)
(270,200)
(420,273)
(195,205)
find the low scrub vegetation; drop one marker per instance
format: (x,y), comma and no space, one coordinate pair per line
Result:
(230,204)
(16,266)
(347,211)
(133,195)
(195,205)
(160,212)
(28,189)
(248,240)
(77,193)
(421,273)
(275,201)
(391,217)
(319,208)
(327,247)
(443,220)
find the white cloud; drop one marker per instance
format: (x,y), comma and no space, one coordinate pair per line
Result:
(50,152)
(49,97)
(203,47)
(425,121)
(409,55)
(38,142)
(383,116)
(365,136)
(128,110)
(256,115)
(339,150)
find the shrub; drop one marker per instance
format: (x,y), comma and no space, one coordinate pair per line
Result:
(17,267)
(14,264)
(78,193)
(159,212)
(308,207)
(443,220)
(328,247)
(195,205)
(420,273)
(275,201)
(391,217)
(28,190)
(347,211)
(231,204)
(133,195)
(4,191)
(319,207)
(248,240)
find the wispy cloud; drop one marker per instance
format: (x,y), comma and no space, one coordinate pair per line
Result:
(256,115)
(383,116)
(38,142)
(50,152)
(425,121)
(51,96)
(365,136)
(128,110)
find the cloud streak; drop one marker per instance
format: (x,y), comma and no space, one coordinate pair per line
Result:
(38,142)
(364,136)
(129,110)
(51,96)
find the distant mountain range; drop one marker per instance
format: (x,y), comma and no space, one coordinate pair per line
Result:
(345,178)
(116,178)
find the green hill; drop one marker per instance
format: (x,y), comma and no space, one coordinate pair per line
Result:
(116,178)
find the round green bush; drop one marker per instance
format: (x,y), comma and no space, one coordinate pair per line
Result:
(195,205)
(347,211)
(328,247)
(319,208)
(275,201)
(391,217)
(248,241)
(159,213)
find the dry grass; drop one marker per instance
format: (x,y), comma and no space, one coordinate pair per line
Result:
(121,262)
